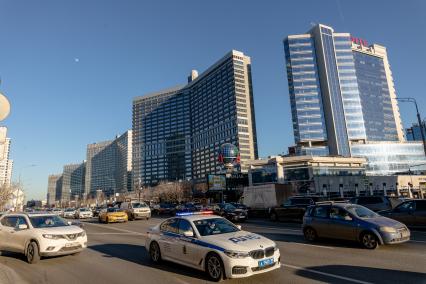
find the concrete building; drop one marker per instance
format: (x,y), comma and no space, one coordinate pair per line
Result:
(332,177)
(177,132)
(6,165)
(73,181)
(343,101)
(108,166)
(54,189)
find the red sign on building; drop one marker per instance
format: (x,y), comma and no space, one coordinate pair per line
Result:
(359,41)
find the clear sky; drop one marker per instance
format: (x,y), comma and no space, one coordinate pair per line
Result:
(71,68)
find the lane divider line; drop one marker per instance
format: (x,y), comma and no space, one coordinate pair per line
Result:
(317,246)
(117,229)
(326,274)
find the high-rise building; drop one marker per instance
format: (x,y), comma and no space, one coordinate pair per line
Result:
(343,100)
(108,165)
(177,132)
(73,181)
(6,164)
(413,133)
(54,188)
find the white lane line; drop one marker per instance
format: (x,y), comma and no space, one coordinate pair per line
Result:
(326,274)
(414,241)
(277,229)
(117,229)
(302,244)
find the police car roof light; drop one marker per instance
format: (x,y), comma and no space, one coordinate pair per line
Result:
(194,213)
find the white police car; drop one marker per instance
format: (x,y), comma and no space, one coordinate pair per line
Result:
(212,244)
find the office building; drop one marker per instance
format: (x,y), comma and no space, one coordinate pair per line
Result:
(54,189)
(343,101)
(177,132)
(6,164)
(73,181)
(108,166)
(413,133)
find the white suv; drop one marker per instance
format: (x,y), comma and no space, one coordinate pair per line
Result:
(136,210)
(82,213)
(40,234)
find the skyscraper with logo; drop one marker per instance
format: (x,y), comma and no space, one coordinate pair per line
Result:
(343,100)
(177,132)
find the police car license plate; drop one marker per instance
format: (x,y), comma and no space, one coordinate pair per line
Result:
(265,262)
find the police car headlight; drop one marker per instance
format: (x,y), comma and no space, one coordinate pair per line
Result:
(236,254)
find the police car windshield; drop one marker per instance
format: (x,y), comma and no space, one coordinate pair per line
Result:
(47,221)
(361,212)
(214,226)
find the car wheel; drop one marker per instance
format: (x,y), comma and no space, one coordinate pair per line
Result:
(273,216)
(310,234)
(33,255)
(155,252)
(369,240)
(106,220)
(214,267)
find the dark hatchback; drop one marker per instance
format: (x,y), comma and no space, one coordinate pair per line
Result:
(412,213)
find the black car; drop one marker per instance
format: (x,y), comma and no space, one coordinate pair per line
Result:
(293,209)
(164,209)
(231,212)
(185,208)
(412,213)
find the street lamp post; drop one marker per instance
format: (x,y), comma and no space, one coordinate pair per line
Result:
(419,120)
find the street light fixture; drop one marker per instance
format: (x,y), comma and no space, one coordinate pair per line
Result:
(419,120)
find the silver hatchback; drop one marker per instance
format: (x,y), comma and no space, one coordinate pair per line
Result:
(352,222)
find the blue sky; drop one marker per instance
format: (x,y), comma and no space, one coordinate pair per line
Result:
(71,68)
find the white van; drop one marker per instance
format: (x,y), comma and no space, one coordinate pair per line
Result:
(136,210)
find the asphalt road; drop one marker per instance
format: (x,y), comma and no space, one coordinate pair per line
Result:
(116,254)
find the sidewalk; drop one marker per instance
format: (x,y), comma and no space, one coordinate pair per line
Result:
(9,276)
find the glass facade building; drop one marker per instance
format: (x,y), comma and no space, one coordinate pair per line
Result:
(414,133)
(343,101)
(73,181)
(108,166)
(177,132)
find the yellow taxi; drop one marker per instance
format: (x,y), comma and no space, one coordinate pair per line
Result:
(112,214)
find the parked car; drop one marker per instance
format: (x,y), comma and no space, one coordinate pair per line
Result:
(185,208)
(375,203)
(412,213)
(58,211)
(136,210)
(230,212)
(39,235)
(164,209)
(352,222)
(293,209)
(96,210)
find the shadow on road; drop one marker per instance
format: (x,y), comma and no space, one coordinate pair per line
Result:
(139,255)
(367,274)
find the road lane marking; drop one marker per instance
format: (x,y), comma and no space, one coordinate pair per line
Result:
(326,274)
(317,246)
(414,241)
(277,228)
(117,229)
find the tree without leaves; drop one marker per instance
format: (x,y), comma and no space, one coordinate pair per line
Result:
(7,193)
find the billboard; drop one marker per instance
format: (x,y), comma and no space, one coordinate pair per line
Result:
(216,182)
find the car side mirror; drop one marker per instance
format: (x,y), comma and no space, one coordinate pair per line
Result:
(188,234)
(22,226)
(239,227)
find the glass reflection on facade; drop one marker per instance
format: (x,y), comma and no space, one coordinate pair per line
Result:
(391,158)
(376,102)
